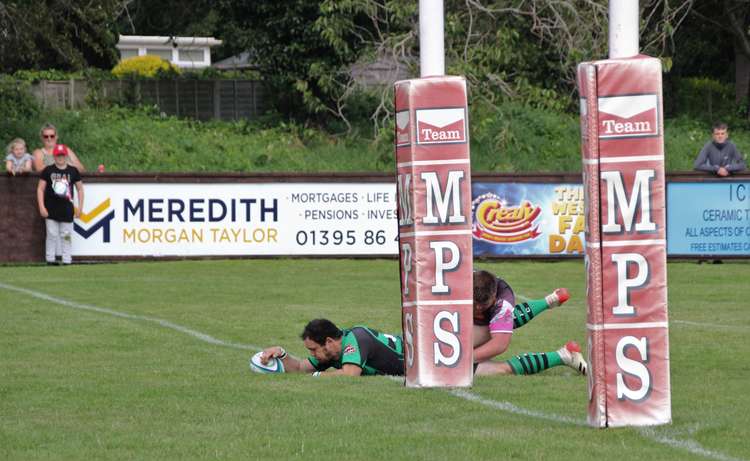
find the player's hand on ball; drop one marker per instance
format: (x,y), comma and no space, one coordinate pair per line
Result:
(276,351)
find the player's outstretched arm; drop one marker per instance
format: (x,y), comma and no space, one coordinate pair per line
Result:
(291,364)
(497,344)
(346,370)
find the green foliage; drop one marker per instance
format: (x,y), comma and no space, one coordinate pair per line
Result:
(57,35)
(34,76)
(504,139)
(704,98)
(517,138)
(19,107)
(16,99)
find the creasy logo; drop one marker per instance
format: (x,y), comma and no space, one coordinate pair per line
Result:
(495,222)
(102,223)
(628,116)
(441,126)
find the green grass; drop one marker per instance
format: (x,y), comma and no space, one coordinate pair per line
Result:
(78,384)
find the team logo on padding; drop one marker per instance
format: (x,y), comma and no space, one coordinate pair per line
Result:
(496,222)
(102,223)
(441,126)
(349,349)
(403,128)
(628,116)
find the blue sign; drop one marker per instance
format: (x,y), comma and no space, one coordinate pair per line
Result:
(708,218)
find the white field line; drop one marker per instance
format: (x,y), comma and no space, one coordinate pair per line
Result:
(510,408)
(712,325)
(101,310)
(687,445)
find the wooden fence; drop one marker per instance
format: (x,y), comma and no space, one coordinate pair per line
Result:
(198,99)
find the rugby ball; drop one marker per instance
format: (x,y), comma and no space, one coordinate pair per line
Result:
(60,188)
(274,365)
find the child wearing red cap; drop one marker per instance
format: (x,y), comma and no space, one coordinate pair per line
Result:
(55,194)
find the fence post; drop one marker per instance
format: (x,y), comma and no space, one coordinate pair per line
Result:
(195,98)
(217,99)
(177,97)
(255,100)
(234,100)
(72,93)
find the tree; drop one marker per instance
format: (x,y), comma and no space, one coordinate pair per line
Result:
(509,49)
(62,34)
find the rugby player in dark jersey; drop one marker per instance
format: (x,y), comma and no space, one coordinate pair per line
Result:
(495,318)
(355,351)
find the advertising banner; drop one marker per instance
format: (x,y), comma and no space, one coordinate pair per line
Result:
(708,218)
(527,219)
(237,219)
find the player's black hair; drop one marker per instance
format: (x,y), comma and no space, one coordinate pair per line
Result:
(320,329)
(485,286)
(719,125)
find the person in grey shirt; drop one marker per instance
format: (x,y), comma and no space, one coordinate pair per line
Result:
(720,155)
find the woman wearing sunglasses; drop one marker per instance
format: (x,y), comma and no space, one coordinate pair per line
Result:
(43,157)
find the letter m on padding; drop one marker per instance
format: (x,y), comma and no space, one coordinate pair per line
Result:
(640,198)
(441,201)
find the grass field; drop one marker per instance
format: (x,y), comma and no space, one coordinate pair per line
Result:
(149,361)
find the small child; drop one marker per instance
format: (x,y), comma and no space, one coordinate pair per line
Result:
(55,196)
(18,161)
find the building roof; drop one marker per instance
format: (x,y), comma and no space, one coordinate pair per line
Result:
(130,41)
(240,61)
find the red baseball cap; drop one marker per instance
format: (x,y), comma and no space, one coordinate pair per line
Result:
(60,149)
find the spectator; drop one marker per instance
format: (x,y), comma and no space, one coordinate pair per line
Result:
(18,160)
(55,196)
(43,156)
(720,155)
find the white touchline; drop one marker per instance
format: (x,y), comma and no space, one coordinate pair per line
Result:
(689,445)
(165,323)
(711,325)
(510,408)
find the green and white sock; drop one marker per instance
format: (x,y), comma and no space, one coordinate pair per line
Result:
(534,362)
(523,313)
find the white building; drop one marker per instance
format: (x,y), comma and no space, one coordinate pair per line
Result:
(184,52)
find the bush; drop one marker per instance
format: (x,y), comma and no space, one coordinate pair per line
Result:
(20,107)
(703,98)
(145,67)
(16,99)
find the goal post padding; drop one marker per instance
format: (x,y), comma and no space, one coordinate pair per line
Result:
(434,217)
(622,142)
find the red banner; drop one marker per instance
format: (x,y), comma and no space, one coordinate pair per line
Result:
(435,244)
(623,164)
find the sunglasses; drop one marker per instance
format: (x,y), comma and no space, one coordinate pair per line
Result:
(49,136)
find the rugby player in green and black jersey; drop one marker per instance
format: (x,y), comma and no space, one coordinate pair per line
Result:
(357,351)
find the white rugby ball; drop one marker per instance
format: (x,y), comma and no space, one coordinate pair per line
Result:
(274,365)
(60,188)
